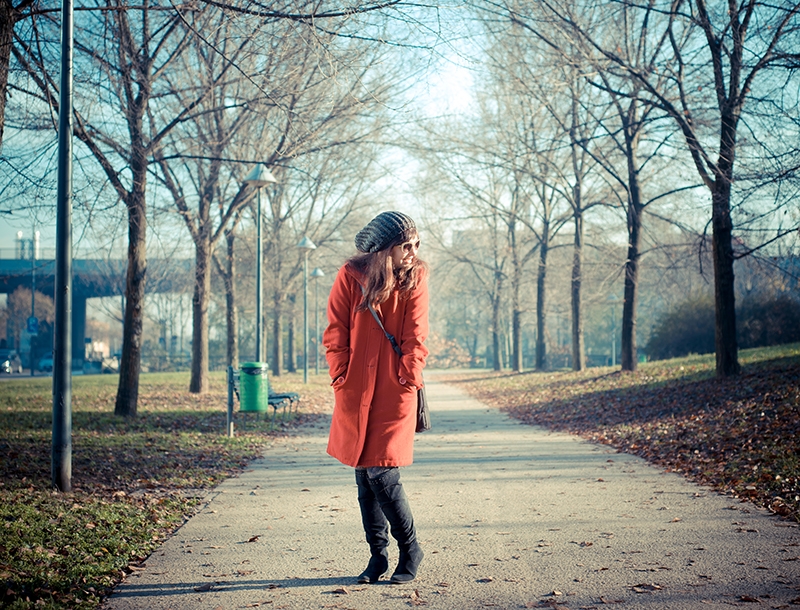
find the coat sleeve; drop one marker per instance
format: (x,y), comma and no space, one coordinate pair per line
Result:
(336,337)
(415,331)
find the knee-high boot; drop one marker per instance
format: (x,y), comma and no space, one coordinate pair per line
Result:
(392,498)
(376,529)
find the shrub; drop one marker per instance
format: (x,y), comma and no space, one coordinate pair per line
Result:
(686,329)
(763,322)
(689,327)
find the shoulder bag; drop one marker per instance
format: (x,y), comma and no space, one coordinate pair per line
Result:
(423,413)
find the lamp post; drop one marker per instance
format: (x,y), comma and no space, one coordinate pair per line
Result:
(306,245)
(316,274)
(61,455)
(259,176)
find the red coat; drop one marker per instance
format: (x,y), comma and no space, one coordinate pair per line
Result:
(374,416)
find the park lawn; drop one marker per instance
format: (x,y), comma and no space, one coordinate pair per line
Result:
(134,480)
(740,436)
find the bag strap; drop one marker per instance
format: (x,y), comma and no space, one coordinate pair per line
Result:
(389,336)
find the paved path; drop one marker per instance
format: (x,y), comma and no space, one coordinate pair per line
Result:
(509,516)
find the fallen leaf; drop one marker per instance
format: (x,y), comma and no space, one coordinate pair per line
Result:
(416,600)
(254,538)
(487,579)
(645,588)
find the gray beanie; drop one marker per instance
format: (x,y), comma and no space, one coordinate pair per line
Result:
(386,229)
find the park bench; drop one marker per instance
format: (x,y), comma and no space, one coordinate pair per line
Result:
(286,401)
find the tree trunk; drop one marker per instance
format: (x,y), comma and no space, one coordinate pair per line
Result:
(497,345)
(727,347)
(516,313)
(541,300)
(496,335)
(231,315)
(629,306)
(516,323)
(7,21)
(198,384)
(277,336)
(631,299)
(578,357)
(291,354)
(130,361)
(516,340)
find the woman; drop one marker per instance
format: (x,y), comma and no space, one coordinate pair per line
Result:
(374,416)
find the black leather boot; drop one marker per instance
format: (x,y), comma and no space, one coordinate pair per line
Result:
(376,529)
(392,498)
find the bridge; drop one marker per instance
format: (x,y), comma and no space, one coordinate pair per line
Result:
(93,278)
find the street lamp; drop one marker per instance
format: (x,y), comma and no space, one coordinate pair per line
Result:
(259,176)
(306,245)
(316,274)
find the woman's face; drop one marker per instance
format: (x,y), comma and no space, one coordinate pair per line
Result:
(403,255)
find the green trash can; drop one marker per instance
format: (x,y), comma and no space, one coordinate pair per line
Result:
(253,387)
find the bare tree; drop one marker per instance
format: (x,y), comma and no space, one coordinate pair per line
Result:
(729,55)
(192,163)
(226,268)
(573,181)
(638,140)
(10,15)
(133,52)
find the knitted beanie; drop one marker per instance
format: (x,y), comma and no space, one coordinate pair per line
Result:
(383,231)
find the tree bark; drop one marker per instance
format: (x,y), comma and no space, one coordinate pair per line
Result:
(727,348)
(516,313)
(541,300)
(291,353)
(277,335)
(130,361)
(198,384)
(231,315)
(497,356)
(634,216)
(578,358)
(7,22)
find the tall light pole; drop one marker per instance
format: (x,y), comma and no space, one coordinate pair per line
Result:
(259,177)
(306,245)
(61,455)
(316,274)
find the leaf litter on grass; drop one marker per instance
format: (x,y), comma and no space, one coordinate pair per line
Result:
(134,479)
